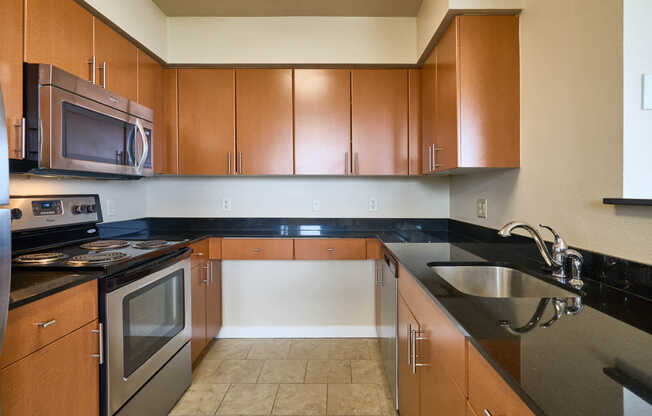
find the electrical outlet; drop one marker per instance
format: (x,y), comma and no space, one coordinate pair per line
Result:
(226,204)
(373,205)
(316,205)
(110,208)
(481,208)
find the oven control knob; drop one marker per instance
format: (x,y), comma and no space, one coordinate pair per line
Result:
(91,209)
(77,209)
(16,214)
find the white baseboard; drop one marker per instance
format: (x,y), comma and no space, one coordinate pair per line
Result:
(334,331)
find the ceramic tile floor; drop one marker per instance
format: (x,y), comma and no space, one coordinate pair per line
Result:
(293,377)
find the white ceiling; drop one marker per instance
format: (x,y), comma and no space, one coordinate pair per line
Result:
(390,8)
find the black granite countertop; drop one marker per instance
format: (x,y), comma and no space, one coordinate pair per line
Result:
(565,369)
(29,286)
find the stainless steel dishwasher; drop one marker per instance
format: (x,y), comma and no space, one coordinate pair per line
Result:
(389,317)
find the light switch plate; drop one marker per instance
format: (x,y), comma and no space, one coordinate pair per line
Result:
(316,205)
(373,205)
(110,208)
(481,208)
(226,204)
(647,91)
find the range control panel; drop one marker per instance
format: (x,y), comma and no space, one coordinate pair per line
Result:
(46,211)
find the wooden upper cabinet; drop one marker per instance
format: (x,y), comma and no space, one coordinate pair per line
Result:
(168,137)
(379,121)
(11,72)
(59,32)
(428,83)
(477,93)
(489,96)
(414,124)
(150,94)
(264,121)
(206,122)
(447,93)
(116,62)
(322,121)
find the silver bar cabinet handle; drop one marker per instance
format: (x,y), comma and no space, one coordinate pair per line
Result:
(414,350)
(241,171)
(409,344)
(101,342)
(23,132)
(430,157)
(346,163)
(46,324)
(228,161)
(356,163)
(103,69)
(92,63)
(486,412)
(434,160)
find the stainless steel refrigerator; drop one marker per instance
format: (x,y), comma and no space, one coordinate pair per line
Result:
(5,225)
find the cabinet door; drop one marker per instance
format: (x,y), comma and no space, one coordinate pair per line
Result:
(446,107)
(214,300)
(168,138)
(379,121)
(428,85)
(414,125)
(264,121)
(408,381)
(322,121)
(59,32)
(199,282)
(116,62)
(11,72)
(62,378)
(206,122)
(150,94)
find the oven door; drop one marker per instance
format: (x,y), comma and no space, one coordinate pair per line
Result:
(147,322)
(83,135)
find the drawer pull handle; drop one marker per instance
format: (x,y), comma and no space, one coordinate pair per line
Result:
(256,250)
(486,412)
(198,254)
(46,324)
(332,250)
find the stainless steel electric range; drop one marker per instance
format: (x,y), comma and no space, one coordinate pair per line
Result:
(144,297)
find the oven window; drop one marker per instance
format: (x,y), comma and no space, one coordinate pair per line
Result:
(152,316)
(88,135)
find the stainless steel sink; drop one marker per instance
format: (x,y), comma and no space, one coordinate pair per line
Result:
(498,282)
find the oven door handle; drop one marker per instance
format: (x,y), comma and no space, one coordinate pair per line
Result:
(143,157)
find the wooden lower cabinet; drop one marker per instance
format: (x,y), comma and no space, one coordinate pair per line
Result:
(330,249)
(206,297)
(62,378)
(409,386)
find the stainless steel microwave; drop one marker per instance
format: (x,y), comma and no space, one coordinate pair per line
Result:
(76,128)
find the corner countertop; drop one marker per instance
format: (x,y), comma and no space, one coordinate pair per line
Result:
(560,370)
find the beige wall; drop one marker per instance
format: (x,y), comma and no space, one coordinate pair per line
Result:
(142,19)
(292,40)
(571,108)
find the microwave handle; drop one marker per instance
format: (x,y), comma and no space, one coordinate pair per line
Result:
(143,157)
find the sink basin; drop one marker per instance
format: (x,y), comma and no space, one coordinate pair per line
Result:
(498,282)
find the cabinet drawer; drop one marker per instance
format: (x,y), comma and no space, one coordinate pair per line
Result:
(374,248)
(61,313)
(215,248)
(257,249)
(330,249)
(200,252)
(488,391)
(60,379)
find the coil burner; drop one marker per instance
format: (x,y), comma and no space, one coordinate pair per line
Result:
(96,258)
(40,258)
(150,244)
(105,244)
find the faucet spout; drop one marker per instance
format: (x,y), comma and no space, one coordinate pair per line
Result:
(506,231)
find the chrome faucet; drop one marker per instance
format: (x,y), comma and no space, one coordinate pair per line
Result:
(560,252)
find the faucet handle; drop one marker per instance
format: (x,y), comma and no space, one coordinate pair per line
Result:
(559,244)
(576,262)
